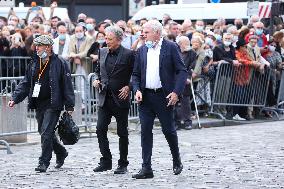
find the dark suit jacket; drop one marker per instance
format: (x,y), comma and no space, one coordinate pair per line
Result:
(189,59)
(173,73)
(118,78)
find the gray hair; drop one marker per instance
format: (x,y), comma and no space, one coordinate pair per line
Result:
(155,25)
(117,31)
(232,29)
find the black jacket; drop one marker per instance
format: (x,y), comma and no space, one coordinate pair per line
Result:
(118,78)
(62,93)
(189,59)
(219,53)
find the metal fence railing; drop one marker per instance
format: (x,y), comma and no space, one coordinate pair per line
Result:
(234,86)
(239,86)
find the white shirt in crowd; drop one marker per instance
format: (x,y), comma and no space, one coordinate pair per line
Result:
(153,80)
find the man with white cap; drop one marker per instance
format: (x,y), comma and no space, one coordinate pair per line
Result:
(48,86)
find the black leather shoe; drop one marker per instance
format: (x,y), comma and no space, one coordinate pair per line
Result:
(60,160)
(41,168)
(144,174)
(187,127)
(120,170)
(177,169)
(102,167)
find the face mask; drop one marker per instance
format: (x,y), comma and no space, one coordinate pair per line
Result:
(46,28)
(42,55)
(250,46)
(10,27)
(209,41)
(62,37)
(187,48)
(199,28)
(101,41)
(239,26)
(258,31)
(271,48)
(79,35)
(218,37)
(90,27)
(177,39)
(227,43)
(235,38)
(149,44)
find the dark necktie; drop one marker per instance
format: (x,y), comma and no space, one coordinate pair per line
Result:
(254,54)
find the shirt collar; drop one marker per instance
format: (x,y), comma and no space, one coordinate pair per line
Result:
(115,52)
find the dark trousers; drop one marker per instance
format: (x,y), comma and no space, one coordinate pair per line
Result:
(182,111)
(47,120)
(155,104)
(105,113)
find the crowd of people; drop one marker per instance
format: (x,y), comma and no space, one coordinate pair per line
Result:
(161,62)
(203,46)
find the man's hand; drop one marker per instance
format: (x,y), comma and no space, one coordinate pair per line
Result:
(94,57)
(96,83)
(173,98)
(236,63)
(77,61)
(11,103)
(267,63)
(138,96)
(194,75)
(124,92)
(188,81)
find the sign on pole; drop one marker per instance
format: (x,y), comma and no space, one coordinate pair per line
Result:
(252,8)
(135,6)
(7,3)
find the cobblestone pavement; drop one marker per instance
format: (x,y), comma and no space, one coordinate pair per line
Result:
(245,156)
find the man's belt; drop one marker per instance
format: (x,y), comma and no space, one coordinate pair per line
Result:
(158,90)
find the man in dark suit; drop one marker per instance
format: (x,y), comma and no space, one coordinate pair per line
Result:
(158,78)
(113,84)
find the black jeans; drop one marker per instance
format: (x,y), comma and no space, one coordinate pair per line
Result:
(105,113)
(47,120)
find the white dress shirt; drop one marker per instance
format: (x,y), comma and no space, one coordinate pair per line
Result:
(153,80)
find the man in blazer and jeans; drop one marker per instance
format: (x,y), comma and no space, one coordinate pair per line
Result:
(113,84)
(158,78)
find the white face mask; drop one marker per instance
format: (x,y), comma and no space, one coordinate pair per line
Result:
(79,35)
(227,43)
(186,48)
(271,48)
(209,41)
(199,28)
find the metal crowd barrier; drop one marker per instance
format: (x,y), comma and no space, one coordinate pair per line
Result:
(92,103)
(13,66)
(279,107)
(19,121)
(239,86)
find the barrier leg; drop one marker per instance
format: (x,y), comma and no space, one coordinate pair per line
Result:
(7,146)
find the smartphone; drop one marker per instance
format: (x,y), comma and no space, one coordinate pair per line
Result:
(17,39)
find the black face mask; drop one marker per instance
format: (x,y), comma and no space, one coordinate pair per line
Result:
(239,26)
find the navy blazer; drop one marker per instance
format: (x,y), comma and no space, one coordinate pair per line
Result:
(173,73)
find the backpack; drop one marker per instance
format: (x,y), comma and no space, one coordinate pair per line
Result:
(68,131)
